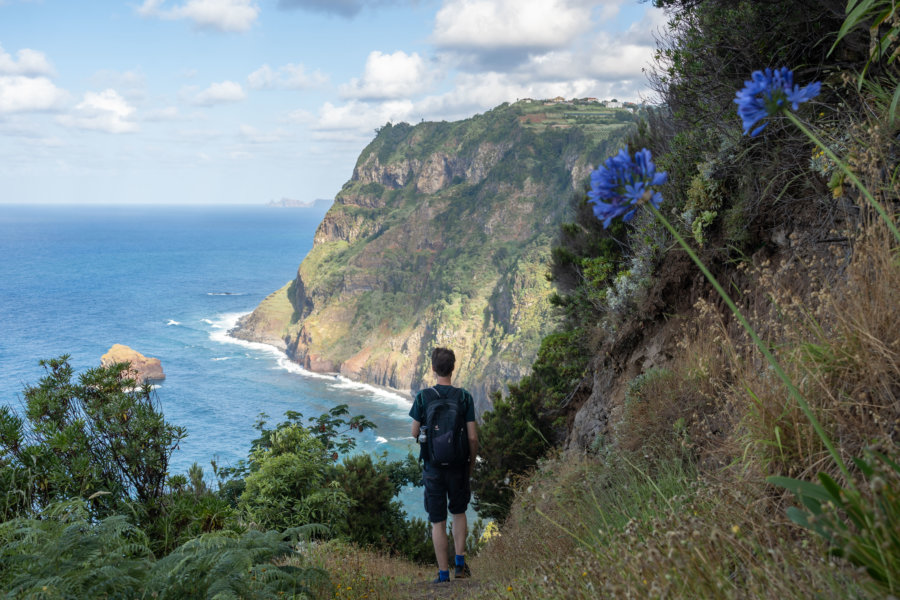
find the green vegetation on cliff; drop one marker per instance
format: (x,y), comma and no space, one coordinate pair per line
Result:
(442,237)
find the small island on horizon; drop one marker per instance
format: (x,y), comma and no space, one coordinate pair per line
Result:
(292,203)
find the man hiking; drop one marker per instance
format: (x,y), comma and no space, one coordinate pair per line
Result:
(445,415)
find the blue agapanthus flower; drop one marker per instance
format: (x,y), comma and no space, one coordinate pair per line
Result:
(767,92)
(623,183)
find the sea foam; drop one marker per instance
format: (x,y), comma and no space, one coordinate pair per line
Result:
(228,321)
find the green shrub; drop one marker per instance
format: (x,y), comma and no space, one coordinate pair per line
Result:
(287,486)
(101,438)
(187,510)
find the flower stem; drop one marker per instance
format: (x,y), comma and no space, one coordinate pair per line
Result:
(850,175)
(763,347)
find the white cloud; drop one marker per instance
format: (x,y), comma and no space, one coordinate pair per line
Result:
(102,111)
(286,77)
(510,24)
(169,113)
(361,116)
(397,75)
(255,136)
(23,94)
(471,93)
(200,135)
(221,15)
(220,93)
(475,92)
(27,62)
(644,32)
(606,59)
(615,61)
(299,116)
(130,84)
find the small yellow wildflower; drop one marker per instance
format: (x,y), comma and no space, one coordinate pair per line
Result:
(735,529)
(509,588)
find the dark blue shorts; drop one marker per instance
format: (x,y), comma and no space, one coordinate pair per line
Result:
(446,488)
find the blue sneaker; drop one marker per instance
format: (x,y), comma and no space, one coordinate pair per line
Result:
(443,577)
(462,572)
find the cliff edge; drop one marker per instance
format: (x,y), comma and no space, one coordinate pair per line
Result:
(440,238)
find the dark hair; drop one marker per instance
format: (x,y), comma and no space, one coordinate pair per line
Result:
(442,361)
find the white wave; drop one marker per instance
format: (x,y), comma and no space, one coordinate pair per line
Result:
(153,386)
(291,367)
(404,438)
(173,322)
(228,321)
(380,440)
(379,394)
(223,358)
(225,294)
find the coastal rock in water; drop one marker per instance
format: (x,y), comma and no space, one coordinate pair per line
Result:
(143,368)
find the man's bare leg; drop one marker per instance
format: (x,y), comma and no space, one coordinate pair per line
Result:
(439,539)
(460,531)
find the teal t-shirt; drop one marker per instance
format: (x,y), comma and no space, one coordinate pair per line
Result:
(417,411)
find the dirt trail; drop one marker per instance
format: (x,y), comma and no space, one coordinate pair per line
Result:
(455,589)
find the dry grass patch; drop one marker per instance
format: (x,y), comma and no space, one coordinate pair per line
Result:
(619,529)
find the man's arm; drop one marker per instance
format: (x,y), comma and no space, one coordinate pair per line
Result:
(472,430)
(415,413)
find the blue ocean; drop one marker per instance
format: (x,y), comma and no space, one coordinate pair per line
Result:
(170,281)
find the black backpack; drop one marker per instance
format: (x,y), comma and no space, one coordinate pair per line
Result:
(447,439)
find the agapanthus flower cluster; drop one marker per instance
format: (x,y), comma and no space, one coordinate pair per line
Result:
(623,183)
(767,92)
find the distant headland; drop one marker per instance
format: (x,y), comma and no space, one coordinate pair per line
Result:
(291,203)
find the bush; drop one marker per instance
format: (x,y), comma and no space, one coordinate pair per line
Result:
(187,510)
(102,439)
(375,518)
(287,485)
(291,478)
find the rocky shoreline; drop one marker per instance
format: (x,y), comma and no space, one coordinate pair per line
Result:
(246,331)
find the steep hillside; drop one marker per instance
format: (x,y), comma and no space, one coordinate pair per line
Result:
(441,237)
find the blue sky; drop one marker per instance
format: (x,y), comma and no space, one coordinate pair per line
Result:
(247,101)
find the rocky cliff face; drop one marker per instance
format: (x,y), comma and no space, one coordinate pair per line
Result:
(440,238)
